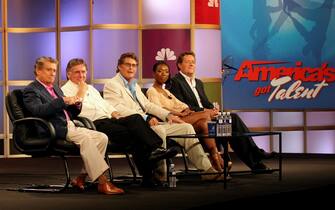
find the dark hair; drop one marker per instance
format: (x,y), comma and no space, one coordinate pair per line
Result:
(181,57)
(39,63)
(158,63)
(155,67)
(123,57)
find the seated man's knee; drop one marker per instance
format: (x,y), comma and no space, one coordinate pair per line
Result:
(135,117)
(188,128)
(160,131)
(103,138)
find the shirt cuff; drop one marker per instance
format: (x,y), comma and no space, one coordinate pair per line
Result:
(145,117)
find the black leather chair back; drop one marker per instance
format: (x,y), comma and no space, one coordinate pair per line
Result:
(14,105)
(23,133)
(27,138)
(31,141)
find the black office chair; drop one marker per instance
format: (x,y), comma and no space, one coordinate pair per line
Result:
(29,141)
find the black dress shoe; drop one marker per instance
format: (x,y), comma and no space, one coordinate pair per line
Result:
(162,153)
(261,168)
(268,155)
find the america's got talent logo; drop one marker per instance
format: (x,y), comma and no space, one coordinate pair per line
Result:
(279,75)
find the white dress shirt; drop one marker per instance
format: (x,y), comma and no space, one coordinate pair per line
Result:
(94,106)
(191,82)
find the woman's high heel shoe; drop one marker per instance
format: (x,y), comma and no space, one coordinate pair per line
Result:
(230,163)
(215,161)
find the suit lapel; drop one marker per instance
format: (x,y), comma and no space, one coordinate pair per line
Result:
(136,100)
(44,92)
(197,87)
(126,88)
(58,91)
(188,89)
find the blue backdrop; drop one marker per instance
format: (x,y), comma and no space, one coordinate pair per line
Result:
(295,36)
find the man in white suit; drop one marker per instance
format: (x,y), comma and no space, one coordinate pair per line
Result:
(123,92)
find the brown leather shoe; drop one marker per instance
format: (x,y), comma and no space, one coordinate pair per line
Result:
(109,189)
(78,183)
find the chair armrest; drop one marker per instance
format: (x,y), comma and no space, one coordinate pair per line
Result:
(86,122)
(23,136)
(39,121)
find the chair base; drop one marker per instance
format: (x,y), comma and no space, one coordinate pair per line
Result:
(48,188)
(41,188)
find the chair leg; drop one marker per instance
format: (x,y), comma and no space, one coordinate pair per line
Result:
(48,188)
(132,167)
(110,170)
(184,159)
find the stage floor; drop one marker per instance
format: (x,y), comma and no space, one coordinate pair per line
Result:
(304,178)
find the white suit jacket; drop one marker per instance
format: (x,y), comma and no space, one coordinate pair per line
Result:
(118,95)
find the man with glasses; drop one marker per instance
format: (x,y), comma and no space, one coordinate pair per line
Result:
(190,90)
(123,92)
(126,131)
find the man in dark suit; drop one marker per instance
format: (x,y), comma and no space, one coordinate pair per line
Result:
(45,100)
(190,90)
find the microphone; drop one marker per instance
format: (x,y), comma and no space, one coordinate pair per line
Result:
(226,70)
(230,67)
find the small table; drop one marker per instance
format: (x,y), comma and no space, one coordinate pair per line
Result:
(226,139)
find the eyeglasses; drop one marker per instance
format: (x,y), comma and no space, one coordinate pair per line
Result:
(129,65)
(189,62)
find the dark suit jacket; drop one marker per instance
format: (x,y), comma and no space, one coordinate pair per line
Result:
(40,103)
(181,89)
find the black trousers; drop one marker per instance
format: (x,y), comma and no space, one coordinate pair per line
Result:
(135,135)
(244,147)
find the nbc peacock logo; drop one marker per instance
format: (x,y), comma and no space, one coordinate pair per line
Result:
(165,54)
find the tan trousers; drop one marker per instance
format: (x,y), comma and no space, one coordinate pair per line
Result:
(192,146)
(93,145)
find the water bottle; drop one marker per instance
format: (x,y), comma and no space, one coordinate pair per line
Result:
(229,124)
(172,177)
(224,119)
(220,124)
(216,105)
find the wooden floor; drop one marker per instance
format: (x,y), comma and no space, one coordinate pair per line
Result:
(304,178)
